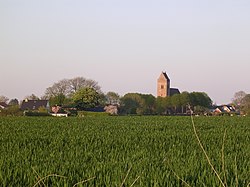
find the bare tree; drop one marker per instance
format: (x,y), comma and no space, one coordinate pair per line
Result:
(59,88)
(80,82)
(76,83)
(238,97)
(245,104)
(32,97)
(68,87)
(93,84)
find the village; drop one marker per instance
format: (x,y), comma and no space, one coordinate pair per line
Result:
(169,101)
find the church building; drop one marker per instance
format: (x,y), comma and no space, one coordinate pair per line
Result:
(163,86)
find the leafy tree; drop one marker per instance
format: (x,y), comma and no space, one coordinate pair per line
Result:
(61,92)
(149,103)
(200,99)
(102,101)
(176,102)
(162,104)
(132,103)
(86,98)
(184,101)
(113,98)
(59,100)
(200,110)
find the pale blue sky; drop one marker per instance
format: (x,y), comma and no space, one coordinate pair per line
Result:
(125,44)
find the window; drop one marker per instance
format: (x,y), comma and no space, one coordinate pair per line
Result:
(162,86)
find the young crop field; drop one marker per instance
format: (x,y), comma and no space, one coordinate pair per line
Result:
(124,151)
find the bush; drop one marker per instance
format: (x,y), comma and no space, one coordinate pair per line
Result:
(35,113)
(11,111)
(92,114)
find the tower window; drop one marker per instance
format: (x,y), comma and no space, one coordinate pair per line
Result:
(162,86)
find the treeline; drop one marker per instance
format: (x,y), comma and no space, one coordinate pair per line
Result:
(82,94)
(85,94)
(147,104)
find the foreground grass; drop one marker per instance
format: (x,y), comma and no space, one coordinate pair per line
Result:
(116,151)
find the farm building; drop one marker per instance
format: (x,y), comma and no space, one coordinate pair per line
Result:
(224,109)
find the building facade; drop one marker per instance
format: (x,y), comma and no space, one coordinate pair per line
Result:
(163,86)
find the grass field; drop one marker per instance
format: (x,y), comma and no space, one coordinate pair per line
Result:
(123,151)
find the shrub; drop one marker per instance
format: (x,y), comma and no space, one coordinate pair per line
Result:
(35,113)
(11,111)
(92,114)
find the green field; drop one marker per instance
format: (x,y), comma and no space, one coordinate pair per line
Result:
(123,151)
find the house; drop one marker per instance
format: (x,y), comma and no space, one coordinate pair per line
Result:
(58,111)
(34,104)
(163,86)
(111,109)
(224,109)
(3,105)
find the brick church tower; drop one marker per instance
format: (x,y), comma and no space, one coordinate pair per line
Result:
(163,85)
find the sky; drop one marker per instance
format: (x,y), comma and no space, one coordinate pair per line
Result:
(124,45)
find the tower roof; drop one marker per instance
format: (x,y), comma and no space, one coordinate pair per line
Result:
(165,75)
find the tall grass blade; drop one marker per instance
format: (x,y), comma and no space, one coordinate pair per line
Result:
(204,151)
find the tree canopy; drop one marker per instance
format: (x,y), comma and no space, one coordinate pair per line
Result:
(135,103)
(245,104)
(65,91)
(86,98)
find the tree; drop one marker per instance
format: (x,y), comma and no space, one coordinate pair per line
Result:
(113,98)
(149,103)
(200,99)
(245,104)
(184,101)
(32,97)
(59,100)
(80,82)
(13,110)
(59,88)
(4,99)
(86,98)
(161,105)
(238,97)
(102,101)
(176,102)
(200,110)
(64,89)
(132,103)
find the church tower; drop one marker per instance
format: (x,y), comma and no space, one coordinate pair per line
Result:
(163,85)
